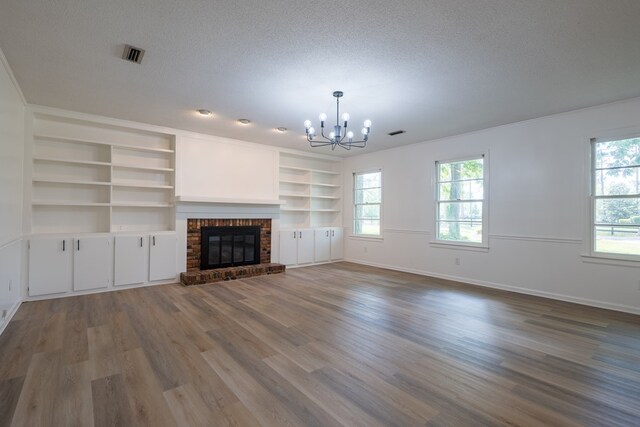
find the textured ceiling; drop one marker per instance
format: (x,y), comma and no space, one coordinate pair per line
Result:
(430,67)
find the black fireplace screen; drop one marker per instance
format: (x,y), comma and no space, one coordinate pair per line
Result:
(229,246)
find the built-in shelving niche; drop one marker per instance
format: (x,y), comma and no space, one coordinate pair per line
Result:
(312,191)
(92,177)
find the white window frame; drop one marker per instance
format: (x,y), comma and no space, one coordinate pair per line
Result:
(484,244)
(354,204)
(592,253)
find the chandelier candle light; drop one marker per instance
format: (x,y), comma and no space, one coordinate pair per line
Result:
(339,136)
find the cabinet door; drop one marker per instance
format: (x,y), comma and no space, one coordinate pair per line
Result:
(130,260)
(322,244)
(91,263)
(162,257)
(305,246)
(337,243)
(289,247)
(50,266)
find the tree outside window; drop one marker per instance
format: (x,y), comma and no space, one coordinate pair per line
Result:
(616,196)
(367,203)
(460,201)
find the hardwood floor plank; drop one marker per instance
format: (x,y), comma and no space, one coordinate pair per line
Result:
(188,408)
(341,409)
(145,395)
(75,346)
(75,404)
(256,398)
(103,357)
(110,402)
(335,344)
(9,394)
(296,402)
(39,396)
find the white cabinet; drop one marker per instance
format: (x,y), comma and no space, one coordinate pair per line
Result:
(322,244)
(337,243)
(328,244)
(130,260)
(296,246)
(91,263)
(162,257)
(50,265)
(288,247)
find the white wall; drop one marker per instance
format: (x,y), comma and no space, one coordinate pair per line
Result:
(222,168)
(12,112)
(538,209)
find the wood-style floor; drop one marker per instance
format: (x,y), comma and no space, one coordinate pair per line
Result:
(337,344)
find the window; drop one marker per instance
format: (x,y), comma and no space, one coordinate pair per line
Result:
(615,196)
(367,203)
(460,202)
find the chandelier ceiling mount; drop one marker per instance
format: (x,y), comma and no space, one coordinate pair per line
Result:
(339,137)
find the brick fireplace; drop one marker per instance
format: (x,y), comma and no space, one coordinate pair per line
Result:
(194,245)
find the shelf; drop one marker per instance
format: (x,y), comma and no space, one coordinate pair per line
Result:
(134,185)
(219,200)
(147,168)
(304,196)
(325,210)
(69,181)
(317,184)
(282,181)
(294,210)
(294,168)
(115,145)
(76,162)
(140,205)
(93,163)
(67,203)
(326,197)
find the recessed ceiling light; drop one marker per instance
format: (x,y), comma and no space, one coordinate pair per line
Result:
(205,112)
(281,129)
(244,121)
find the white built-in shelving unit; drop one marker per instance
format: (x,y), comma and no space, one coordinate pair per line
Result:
(311,191)
(311,211)
(89,177)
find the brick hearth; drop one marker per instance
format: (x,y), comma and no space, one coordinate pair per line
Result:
(194,247)
(229,273)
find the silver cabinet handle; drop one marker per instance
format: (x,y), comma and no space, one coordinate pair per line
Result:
(154,240)
(294,234)
(300,234)
(327,233)
(141,242)
(64,245)
(333,233)
(78,244)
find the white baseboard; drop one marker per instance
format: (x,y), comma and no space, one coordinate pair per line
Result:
(9,316)
(112,288)
(519,290)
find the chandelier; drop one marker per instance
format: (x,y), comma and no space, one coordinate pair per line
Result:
(339,136)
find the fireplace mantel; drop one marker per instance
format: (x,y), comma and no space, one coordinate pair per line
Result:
(227,201)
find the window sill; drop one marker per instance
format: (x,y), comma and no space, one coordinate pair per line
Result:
(371,238)
(610,260)
(459,246)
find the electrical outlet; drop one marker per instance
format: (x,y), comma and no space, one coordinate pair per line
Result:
(457,261)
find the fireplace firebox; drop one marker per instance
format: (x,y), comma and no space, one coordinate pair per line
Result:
(229,246)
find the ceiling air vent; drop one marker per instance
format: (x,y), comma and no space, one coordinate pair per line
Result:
(133,54)
(396,132)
